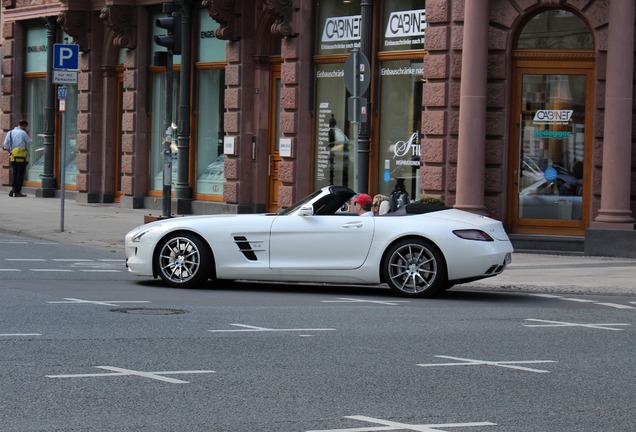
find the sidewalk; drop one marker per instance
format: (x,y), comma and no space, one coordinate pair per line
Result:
(104,226)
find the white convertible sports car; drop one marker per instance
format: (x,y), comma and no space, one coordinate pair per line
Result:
(417,250)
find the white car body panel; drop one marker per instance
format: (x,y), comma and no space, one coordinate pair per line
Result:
(332,248)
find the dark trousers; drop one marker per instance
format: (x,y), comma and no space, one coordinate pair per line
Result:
(18,170)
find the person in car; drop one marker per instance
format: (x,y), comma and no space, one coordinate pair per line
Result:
(362,204)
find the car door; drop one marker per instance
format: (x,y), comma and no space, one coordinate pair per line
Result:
(335,242)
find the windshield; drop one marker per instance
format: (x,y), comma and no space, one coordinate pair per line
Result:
(298,204)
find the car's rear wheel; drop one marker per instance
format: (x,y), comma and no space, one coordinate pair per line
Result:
(414,268)
(183,260)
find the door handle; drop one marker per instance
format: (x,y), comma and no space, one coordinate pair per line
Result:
(352,225)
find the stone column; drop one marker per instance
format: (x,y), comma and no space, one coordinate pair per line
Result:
(615,210)
(471,151)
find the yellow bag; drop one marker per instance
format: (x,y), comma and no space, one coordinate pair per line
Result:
(19,155)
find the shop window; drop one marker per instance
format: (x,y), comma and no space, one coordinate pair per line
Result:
(555,29)
(35,104)
(400,119)
(159,133)
(333,150)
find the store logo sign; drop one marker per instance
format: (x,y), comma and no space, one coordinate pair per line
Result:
(407,23)
(553,115)
(555,135)
(339,29)
(403,148)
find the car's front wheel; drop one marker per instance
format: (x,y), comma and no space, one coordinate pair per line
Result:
(183,260)
(414,268)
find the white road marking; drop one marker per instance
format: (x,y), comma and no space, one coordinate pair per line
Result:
(20,334)
(351,300)
(580,300)
(9,270)
(52,270)
(568,324)
(26,259)
(503,364)
(249,328)
(616,305)
(129,372)
(71,259)
(101,271)
(97,302)
(392,426)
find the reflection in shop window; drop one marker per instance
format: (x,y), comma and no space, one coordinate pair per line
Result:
(552,147)
(158,130)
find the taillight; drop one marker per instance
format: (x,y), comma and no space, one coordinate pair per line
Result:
(473,234)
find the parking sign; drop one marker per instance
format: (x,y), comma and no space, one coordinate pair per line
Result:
(66,56)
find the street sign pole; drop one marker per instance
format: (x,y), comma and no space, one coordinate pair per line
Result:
(62,93)
(357,82)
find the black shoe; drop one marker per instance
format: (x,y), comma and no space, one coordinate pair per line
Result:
(11,193)
(19,194)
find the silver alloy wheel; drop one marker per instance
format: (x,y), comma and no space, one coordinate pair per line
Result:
(413,268)
(179,260)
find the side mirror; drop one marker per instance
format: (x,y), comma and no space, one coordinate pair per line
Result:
(306,210)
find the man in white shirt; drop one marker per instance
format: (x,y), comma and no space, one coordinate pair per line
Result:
(16,143)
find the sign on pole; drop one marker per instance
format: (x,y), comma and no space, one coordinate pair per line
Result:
(66,56)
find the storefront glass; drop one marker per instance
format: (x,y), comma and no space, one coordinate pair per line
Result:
(35,87)
(159,132)
(70,150)
(339,26)
(35,104)
(404,25)
(333,150)
(400,119)
(552,147)
(209,109)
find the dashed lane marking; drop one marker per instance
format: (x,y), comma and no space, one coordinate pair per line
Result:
(547,323)
(159,376)
(503,364)
(389,425)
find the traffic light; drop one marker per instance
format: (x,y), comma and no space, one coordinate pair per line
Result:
(172,40)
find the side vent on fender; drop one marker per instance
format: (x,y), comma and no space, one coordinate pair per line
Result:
(245,247)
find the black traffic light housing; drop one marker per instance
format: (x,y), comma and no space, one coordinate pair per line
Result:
(171,23)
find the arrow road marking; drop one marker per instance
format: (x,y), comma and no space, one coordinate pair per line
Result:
(103,303)
(391,426)
(504,364)
(567,324)
(129,372)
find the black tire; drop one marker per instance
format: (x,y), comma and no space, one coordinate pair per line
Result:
(414,268)
(182,261)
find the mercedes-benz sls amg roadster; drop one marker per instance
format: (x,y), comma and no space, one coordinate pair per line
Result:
(418,250)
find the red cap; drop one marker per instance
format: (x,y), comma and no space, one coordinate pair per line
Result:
(363,199)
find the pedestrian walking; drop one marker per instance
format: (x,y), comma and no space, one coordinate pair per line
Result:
(16,143)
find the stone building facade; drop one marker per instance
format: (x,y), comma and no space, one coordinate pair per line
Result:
(517,109)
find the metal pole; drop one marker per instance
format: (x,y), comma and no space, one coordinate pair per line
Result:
(62,171)
(167,151)
(182,189)
(355,99)
(366,16)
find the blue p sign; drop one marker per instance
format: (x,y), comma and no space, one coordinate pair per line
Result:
(66,56)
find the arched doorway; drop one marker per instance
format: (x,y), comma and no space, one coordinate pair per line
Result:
(551,126)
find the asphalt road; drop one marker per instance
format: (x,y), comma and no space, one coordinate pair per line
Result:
(84,346)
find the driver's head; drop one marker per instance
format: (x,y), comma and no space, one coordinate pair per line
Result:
(364,201)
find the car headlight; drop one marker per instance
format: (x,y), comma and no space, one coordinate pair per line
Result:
(137,237)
